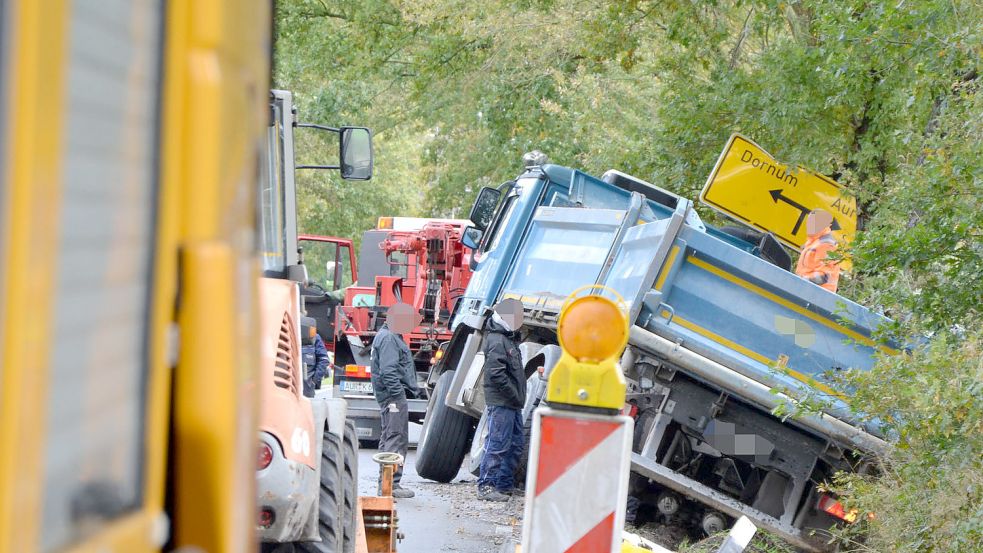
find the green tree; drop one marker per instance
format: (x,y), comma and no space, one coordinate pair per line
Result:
(882,96)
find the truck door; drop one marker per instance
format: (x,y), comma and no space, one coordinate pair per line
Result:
(330,266)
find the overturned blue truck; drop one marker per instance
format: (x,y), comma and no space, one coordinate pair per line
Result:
(722,333)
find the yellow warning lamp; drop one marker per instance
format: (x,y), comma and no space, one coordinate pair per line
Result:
(592,331)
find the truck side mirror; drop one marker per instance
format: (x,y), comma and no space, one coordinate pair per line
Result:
(471,238)
(484,208)
(355,153)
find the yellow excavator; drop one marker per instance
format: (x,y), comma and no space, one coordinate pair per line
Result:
(133,138)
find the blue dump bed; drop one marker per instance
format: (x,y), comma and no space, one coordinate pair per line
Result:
(740,310)
(696,287)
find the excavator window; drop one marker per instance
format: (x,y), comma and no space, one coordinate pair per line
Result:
(323,263)
(95,419)
(272,239)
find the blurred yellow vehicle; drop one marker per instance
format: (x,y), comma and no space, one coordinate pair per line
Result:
(129,141)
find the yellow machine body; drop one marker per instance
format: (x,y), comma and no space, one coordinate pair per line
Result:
(128,141)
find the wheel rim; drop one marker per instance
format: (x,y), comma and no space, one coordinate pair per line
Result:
(478,443)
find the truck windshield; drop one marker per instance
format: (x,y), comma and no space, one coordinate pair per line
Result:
(561,256)
(502,223)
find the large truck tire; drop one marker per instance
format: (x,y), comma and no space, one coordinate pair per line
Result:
(350,477)
(349,474)
(444,436)
(329,520)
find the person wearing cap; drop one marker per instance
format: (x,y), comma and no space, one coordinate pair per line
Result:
(814,263)
(393,380)
(505,394)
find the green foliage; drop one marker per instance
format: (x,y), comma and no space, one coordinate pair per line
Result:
(928,494)
(922,254)
(882,96)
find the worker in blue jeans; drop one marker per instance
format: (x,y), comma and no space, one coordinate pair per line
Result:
(505,394)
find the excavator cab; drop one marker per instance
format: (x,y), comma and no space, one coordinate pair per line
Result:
(308,453)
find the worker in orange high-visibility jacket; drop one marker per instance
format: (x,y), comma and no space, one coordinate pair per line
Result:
(814,263)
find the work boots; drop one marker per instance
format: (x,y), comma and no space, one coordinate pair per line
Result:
(491,494)
(400,492)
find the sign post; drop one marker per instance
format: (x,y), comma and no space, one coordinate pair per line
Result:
(749,185)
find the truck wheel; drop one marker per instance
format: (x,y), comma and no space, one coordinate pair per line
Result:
(350,480)
(444,436)
(329,520)
(520,470)
(478,445)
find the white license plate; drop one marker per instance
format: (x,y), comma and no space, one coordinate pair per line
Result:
(356,386)
(363,432)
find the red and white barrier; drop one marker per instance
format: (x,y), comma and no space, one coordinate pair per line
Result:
(577,482)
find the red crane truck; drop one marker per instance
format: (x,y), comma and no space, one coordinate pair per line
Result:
(412,260)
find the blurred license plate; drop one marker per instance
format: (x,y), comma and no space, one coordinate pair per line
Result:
(356,386)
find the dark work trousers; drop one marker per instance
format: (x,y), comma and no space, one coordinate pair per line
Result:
(395,436)
(503,448)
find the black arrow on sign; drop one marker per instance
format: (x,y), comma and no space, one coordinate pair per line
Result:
(803,210)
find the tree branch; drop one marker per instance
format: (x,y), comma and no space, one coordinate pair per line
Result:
(735,54)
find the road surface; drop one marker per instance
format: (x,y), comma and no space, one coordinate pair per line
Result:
(445,517)
(450,517)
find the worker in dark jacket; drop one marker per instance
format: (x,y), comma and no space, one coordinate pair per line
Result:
(317,362)
(505,395)
(393,381)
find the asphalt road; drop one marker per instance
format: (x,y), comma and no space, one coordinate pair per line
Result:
(445,517)
(450,517)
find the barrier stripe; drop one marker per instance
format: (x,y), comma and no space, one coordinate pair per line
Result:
(598,539)
(564,442)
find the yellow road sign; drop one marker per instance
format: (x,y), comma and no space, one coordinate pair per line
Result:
(749,185)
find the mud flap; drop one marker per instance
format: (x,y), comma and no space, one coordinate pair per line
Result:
(463,394)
